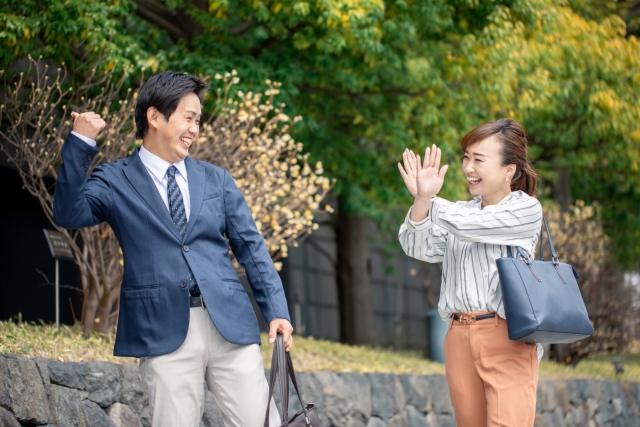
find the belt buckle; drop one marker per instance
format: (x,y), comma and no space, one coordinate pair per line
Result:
(467,320)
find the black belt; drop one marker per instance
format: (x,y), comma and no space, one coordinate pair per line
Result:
(197,301)
(471,319)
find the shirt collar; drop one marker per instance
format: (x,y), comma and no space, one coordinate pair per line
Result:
(157,166)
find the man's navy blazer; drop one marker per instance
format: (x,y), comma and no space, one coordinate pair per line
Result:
(154,300)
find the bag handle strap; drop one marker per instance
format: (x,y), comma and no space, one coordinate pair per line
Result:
(554,255)
(277,366)
(282,370)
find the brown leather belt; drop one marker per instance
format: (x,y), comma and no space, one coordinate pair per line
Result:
(197,301)
(471,319)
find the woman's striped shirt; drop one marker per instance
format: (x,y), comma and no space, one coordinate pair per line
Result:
(468,240)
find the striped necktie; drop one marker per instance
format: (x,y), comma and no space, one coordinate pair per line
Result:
(179,217)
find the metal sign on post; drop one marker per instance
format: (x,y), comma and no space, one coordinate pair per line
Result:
(60,249)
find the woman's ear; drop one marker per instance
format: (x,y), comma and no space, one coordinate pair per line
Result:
(511,171)
(152,117)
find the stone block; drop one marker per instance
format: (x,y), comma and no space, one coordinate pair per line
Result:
(24,394)
(387,397)
(594,389)
(554,418)
(7,419)
(5,399)
(576,416)
(354,422)
(336,395)
(376,422)
(360,394)
(68,374)
(43,369)
(65,407)
(439,390)
(575,391)
(417,391)
(122,416)
(446,420)
(134,392)
(103,383)
(547,397)
(398,420)
(212,414)
(562,395)
(603,415)
(96,417)
(415,418)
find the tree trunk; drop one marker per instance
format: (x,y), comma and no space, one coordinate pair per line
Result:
(562,190)
(354,288)
(562,196)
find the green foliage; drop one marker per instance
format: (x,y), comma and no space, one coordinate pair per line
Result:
(371,77)
(66,31)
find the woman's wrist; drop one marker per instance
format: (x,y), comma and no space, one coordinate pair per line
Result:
(420,208)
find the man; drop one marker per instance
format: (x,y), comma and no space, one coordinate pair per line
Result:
(183,311)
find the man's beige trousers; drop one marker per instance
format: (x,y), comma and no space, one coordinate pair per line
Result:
(492,380)
(234,373)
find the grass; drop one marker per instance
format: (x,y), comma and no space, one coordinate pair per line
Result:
(309,354)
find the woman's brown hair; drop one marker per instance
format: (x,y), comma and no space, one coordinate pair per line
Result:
(513,138)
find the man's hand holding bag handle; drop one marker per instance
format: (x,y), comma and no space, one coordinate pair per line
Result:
(282,370)
(542,300)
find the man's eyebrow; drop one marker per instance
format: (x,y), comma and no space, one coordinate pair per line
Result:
(194,113)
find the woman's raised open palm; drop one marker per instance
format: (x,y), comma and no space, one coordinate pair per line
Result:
(430,175)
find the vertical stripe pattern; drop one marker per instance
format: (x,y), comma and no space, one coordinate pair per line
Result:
(467,240)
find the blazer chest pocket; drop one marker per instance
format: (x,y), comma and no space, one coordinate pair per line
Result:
(212,193)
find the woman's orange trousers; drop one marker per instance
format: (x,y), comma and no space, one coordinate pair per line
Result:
(492,380)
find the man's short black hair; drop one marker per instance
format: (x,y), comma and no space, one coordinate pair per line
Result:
(164,91)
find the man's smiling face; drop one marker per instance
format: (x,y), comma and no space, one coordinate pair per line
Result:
(178,133)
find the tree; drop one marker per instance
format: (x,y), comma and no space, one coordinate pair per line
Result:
(372,77)
(248,135)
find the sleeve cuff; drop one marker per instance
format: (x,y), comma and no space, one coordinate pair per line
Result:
(89,141)
(420,225)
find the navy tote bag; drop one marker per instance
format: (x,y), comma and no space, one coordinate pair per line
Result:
(542,300)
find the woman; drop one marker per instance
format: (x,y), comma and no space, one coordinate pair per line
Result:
(492,380)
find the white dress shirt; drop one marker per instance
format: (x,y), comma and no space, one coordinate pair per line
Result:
(157,169)
(468,240)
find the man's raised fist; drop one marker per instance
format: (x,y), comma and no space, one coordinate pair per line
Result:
(88,124)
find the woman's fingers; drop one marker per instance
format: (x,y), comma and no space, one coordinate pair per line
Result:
(443,171)
(438,157)
(427,158)
(402,172)
(434,154)
(418,164)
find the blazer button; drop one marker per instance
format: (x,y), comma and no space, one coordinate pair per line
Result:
(183,284)
(86,164)
(89,157)
(185,248)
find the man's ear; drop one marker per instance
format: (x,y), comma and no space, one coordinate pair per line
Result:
(153,115)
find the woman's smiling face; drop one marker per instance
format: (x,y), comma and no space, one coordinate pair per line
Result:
(482,165)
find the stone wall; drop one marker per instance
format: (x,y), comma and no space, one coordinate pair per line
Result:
(39,392)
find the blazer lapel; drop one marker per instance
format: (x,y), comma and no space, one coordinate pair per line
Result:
(138,176)
(196,177)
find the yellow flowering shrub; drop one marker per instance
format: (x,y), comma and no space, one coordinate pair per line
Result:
(579,240)
(249,136)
